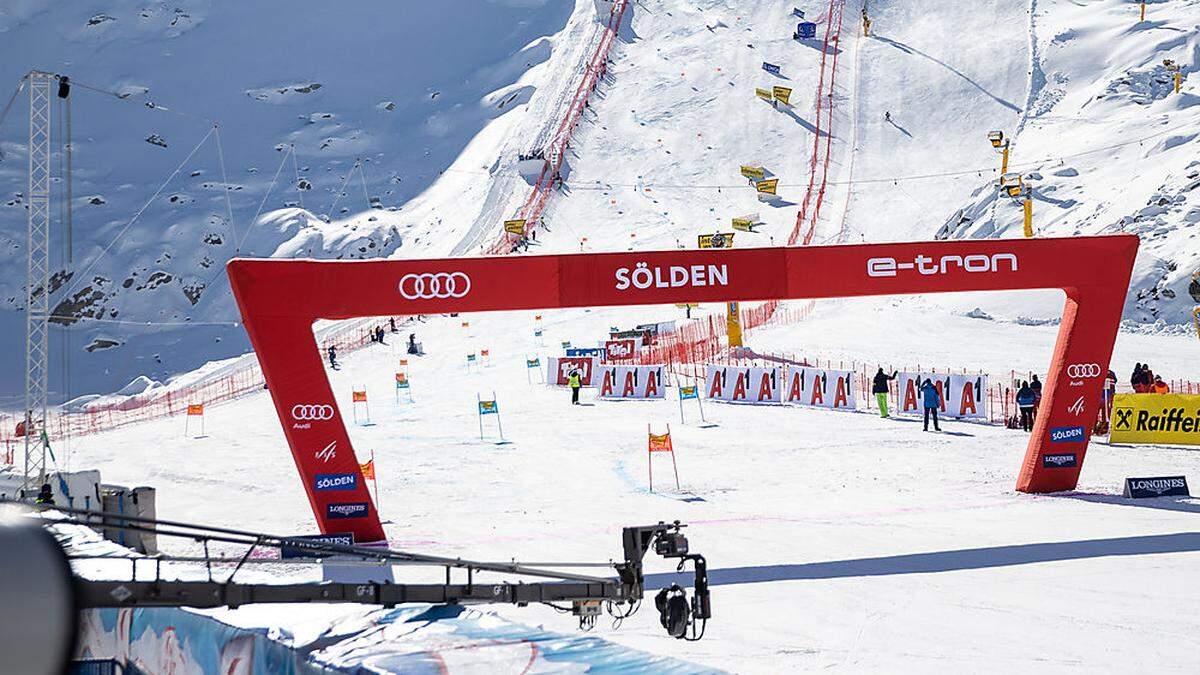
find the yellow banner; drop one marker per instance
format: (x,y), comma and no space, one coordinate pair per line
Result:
(743,224)
(1172,419)
(764,94)
(782,94)
(515,226)
(718,240)
(733,325)
(755,172)
(767,186)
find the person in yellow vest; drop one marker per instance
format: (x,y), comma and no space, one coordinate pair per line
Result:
(575,382)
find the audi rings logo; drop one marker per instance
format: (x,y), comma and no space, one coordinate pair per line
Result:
(1083,370)
(432,285)
(303,411)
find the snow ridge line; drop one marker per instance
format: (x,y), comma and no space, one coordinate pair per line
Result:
(535,204)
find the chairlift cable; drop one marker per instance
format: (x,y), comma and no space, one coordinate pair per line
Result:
(137,215)
(225,179)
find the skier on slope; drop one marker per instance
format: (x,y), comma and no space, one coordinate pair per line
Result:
(1025,402)
(930,399)
(575,382)
(880,388)
(331,352)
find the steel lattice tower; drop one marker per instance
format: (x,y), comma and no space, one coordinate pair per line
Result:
(37,302)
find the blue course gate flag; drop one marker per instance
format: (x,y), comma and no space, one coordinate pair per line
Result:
(806,29)
(770,68)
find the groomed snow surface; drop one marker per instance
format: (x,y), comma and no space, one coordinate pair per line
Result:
(837,540)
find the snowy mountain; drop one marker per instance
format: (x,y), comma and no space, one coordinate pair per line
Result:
(1082,93)
(300,93)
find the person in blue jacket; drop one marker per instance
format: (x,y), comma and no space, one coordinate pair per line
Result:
(1026,400)
(931,399)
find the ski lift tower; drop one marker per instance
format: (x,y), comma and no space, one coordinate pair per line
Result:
(37,292)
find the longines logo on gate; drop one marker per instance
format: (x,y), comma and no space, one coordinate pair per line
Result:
(430,285)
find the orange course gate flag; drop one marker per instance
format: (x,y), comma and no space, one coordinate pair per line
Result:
(368,469)
(195,409)
(359,397)
(660,443)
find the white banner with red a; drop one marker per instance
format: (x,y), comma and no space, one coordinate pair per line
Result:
(746,384)
(822,388)
(960,396)
(630,382)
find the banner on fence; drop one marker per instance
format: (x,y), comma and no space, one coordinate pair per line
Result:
(743,385)
(782,94)
(585,351)
(515,226)
(715,240)
(754,172)
(631,382)
(1156,418)
(823,388)
(768,186)
(619,350)
(764,94)
(962,396)
(559,369)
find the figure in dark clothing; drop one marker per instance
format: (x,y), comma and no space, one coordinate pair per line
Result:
(1026,400)
(379,335)
(931,399)
(45,495)
(880,388)
(392,321)
(332,353)
(1036,387)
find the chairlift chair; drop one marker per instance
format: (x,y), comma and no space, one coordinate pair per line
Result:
(1012,185)
(997,138)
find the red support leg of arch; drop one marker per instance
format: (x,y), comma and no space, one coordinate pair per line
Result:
(280,300)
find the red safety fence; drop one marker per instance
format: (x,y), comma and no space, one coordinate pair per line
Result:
(535,204)
(116,411)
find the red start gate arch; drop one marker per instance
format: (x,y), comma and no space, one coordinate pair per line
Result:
(280,300)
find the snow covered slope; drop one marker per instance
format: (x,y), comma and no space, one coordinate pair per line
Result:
(405,87)
(838,540)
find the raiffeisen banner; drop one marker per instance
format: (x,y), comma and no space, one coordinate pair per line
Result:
(1172,419)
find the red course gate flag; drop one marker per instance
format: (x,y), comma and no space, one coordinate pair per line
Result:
(280,299)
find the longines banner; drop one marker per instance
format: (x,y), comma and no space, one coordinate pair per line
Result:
(1156,418)
(963,396)
(630,381)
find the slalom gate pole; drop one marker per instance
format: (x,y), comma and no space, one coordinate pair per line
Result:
(375,478)
(499,424)
(479,414)
(681,410)
(699,404)
(649,458)
(673,464)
